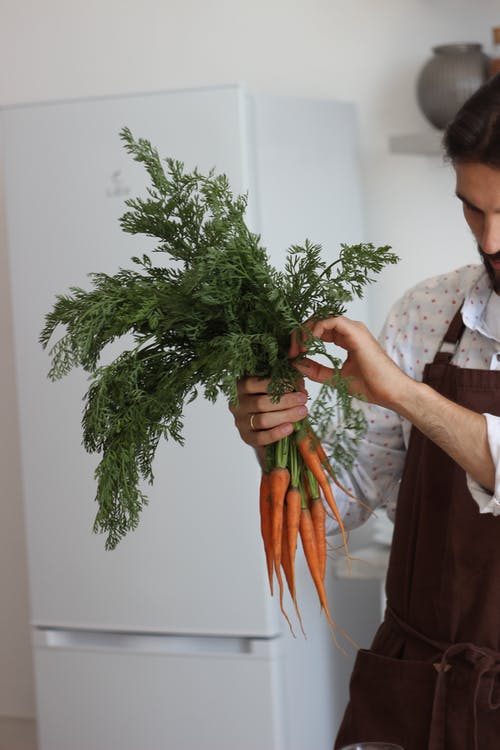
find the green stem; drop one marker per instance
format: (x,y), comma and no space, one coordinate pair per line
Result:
(269,462)
(294,465)
(325,270)
(281,453)
(313,484)
(300,428)
(303,496)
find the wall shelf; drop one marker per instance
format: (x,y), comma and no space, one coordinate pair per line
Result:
(424,144)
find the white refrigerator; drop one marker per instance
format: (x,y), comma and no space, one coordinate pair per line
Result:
(171,641)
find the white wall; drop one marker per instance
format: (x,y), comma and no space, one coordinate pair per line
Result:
(367,51)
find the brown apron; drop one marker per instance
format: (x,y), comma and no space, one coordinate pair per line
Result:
(431,680)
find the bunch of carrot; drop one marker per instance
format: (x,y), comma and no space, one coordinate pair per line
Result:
(211,311)
(295,497)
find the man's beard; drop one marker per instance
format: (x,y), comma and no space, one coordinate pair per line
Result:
(494,275)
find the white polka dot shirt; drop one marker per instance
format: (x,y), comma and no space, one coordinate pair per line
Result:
(411,335)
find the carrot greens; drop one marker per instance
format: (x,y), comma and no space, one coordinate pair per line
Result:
(210,310)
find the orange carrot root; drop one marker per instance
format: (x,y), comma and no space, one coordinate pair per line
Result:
(318,516)
(313,462)
(325,462)
(278,486)
(311,555)
(293,503)
(266,525)
(288,567)
(295,497)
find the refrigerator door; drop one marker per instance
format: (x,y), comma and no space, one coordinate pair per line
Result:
(104,691)
(195,563)
(194,568)
(181,693)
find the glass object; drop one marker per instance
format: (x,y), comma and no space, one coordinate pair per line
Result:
(372,746)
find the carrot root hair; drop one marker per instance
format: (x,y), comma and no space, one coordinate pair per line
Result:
(288,567)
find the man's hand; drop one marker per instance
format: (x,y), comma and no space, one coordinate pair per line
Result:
(371,372)
(259,420)
(460,432)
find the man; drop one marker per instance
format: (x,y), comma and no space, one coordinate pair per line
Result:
(432,456)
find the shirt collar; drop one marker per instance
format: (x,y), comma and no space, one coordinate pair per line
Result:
(476,302)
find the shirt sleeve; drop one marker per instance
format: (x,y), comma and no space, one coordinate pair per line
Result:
(375,475)
(489,502)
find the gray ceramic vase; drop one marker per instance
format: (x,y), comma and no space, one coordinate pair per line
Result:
(447,80)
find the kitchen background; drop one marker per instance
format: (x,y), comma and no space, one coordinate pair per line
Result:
(365,51)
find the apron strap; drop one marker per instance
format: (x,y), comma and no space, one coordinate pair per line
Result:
(483,668)
(451,340)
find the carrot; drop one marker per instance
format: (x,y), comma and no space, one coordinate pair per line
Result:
(293,503)
(318,516)
(311,554)
(279,479)
(285,557)
(313,462)
(288,568)
(278,484)
(266,524)
(329,470)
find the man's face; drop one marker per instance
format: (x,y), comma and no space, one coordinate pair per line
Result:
(478,187)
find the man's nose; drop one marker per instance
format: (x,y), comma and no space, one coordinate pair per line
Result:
(490,241)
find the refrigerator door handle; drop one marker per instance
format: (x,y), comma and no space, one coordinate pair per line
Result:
(158,643)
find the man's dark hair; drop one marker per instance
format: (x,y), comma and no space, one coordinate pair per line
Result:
(474,133)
